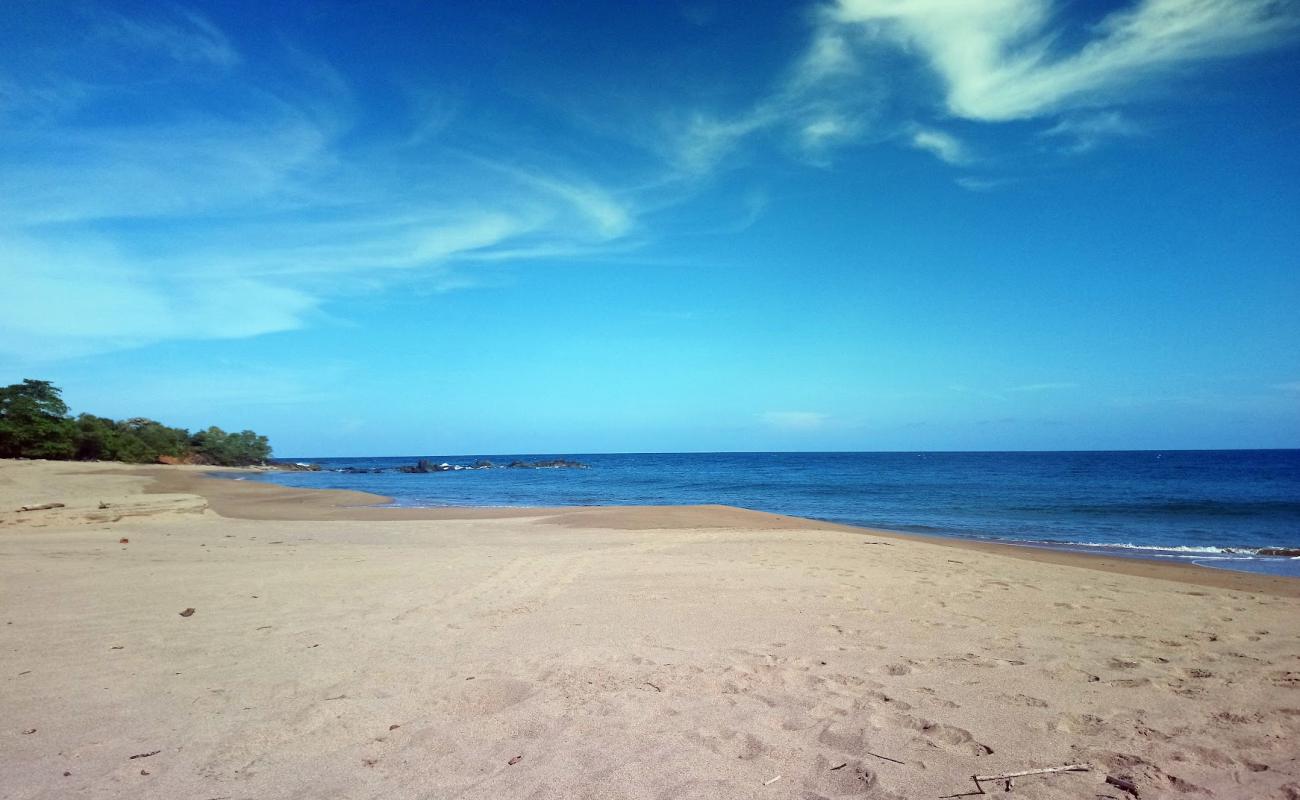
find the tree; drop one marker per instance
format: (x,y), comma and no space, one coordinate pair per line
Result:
(34,423)
(230,449)
(96,438)
(155,438)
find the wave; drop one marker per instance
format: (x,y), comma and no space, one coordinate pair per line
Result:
(1284,552)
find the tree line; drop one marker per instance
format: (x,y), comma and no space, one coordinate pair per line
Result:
(34,423)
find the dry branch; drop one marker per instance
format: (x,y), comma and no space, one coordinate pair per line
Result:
(1043,771)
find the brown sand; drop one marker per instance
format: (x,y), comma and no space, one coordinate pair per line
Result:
(692,652)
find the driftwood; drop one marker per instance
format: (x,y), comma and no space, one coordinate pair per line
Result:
(883,758)
(771,781)
(45,507)
(1006,778)
(1043,771)
(1123,783)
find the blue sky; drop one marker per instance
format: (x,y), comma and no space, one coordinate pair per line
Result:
(413,228)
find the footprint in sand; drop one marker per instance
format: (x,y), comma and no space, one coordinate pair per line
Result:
(828,778)
(703,790)
(951,736)
(1023,700)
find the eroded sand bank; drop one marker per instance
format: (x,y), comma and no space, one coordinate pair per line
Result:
(340,651)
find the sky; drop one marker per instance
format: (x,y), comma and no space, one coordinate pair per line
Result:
(460,228)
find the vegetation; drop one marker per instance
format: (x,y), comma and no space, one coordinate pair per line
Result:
(34,423)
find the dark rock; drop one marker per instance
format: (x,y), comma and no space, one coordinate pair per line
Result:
(555,463)
(425,465)
(1289,552)
(294,466)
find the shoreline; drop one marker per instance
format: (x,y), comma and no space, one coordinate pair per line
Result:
(255,500)
(168,634)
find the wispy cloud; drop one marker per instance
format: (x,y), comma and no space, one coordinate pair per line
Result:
(943,146)
(818,103)
(1004,60)
(251,206)
(68,299)
(178,33)
(1083,132)
(795,420)
(996,60)
(975,183)
(250,216)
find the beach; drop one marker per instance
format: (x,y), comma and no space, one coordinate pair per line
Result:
(337,650)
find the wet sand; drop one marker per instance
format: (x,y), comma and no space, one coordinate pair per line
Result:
(686,652)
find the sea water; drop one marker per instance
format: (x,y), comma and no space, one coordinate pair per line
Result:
(1216,508)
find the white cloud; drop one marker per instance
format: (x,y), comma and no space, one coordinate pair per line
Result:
(1002,59)
(1084,132)
(610,218)
(251,217)
(829,55)
(997,60)
(795,420)
(184,36)
(64,300)
(972,183)
(943,146)
(67,174)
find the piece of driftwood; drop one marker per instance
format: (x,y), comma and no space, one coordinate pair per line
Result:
(1042,771)
(1006,777)
(44,507)
(771,781)
(1123,783)
(883,758)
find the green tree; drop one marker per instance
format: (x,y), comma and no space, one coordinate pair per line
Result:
(230,449)
(156,437)
(96,438)
(34,423)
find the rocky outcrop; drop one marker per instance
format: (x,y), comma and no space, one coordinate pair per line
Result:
(555,463)
(294,466)
(1288,552)
(425,465)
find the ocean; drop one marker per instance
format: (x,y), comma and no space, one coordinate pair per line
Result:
(1217,508)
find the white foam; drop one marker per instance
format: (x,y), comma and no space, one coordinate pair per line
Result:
(1244,551)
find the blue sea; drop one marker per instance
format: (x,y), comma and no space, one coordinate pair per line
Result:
(1216,508)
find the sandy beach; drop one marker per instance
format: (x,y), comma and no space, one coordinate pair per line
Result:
(339,651)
